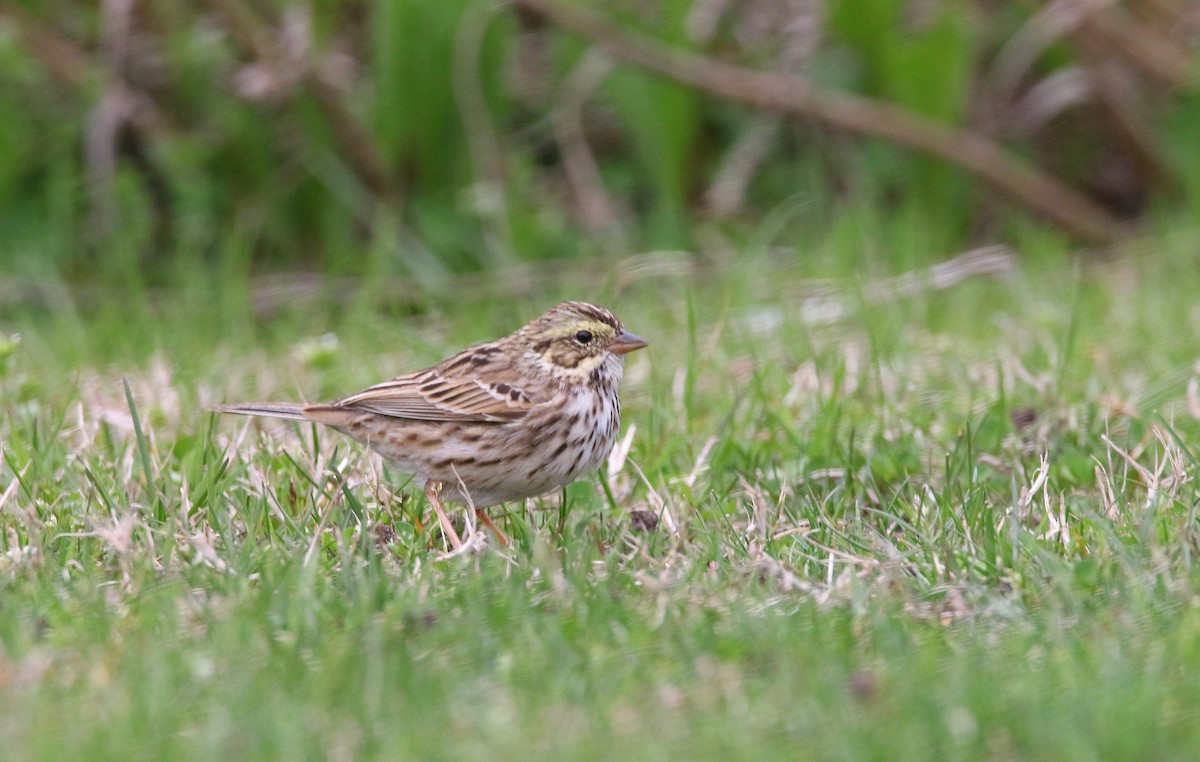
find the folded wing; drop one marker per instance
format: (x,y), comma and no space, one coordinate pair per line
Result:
(429,396)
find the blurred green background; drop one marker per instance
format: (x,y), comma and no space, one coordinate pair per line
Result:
(157,142)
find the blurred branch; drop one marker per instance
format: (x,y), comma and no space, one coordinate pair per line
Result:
(1157,50)
(486,152)
(73,66)
(753,147)
(801,27)
(123,118)
(1047,98)
(1176,19)
(1117,93)
(595,207)
(1156,55)
(109,117)
(1035,189)
(357,145)
(65,60)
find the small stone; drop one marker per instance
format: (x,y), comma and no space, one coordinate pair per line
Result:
(641,520)
(385,534)
(863,685)
(1023,417)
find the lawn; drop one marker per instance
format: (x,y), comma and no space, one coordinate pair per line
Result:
(879,515)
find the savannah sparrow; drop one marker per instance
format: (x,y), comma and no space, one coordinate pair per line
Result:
(507,420)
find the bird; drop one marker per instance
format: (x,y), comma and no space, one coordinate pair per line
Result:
(499,422)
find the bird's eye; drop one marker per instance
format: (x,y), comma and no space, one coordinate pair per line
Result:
(584,337)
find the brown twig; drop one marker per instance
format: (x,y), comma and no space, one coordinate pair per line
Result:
(73,66)
(596,208)
(727,191)
(1168,17)
(1117,94)
(123,118)
(1035,189)
(64,59)
(486,152)
(357,145)
(1156,55)
(484,145)
(109,117)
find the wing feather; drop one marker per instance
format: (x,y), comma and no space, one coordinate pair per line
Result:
(430,396)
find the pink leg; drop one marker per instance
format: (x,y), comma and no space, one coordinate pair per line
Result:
(487,521)
(433,491)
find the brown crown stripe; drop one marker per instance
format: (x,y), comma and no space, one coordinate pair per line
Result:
(598,314)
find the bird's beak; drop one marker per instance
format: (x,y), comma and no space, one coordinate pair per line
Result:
(626,342)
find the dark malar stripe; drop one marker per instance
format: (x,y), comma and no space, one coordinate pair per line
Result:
(569,359)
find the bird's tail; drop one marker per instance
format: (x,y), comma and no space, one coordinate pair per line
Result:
(288,410)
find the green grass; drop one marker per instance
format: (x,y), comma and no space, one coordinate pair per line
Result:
(867,559)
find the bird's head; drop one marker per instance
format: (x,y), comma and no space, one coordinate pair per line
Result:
(575,338)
